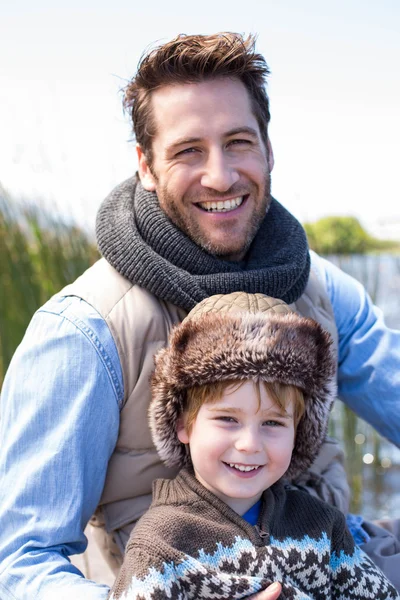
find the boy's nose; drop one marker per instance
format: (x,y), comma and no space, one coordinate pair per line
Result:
(249,441)
(218,174)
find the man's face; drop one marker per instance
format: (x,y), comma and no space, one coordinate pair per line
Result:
(211,169)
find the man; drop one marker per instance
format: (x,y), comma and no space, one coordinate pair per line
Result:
(199,220)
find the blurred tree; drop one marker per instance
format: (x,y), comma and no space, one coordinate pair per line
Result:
(343,235)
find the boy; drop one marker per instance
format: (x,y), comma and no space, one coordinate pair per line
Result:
(241,403)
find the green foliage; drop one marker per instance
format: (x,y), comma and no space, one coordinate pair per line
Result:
(39,256)
(343,235)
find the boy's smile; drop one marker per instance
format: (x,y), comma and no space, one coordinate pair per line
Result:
(239,447)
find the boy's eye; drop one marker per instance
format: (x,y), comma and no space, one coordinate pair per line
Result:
(226,419)
(273,423)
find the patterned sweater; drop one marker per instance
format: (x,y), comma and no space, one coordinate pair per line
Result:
(191,545)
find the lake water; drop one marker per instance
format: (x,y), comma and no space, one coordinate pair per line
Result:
(373,464)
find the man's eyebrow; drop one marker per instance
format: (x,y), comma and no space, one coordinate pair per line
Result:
(244,129)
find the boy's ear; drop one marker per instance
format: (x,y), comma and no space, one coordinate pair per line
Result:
(181,431)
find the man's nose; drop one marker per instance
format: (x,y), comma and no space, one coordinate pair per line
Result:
(249,440)
(218,173)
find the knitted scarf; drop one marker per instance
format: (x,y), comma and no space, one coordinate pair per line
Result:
(136,237)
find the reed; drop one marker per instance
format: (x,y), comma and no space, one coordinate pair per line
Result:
(40,254)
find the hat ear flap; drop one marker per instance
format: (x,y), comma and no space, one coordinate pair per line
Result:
(181,340)
(181,337)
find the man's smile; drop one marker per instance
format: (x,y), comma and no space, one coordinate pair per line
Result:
(222,205)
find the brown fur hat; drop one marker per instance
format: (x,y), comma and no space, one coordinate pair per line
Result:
(221,340)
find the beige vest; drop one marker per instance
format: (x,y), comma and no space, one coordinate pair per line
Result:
(140,324)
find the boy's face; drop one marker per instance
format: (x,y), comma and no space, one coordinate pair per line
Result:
(239,448)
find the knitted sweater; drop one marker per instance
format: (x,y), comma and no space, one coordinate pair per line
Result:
(191,545)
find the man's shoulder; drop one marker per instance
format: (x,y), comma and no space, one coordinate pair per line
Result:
(330,274)
(320,268)
(100,285)
(110,293)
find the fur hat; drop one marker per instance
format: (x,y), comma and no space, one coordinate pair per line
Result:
(237,337)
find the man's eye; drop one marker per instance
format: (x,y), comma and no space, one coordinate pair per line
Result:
(185,151)
(239,142)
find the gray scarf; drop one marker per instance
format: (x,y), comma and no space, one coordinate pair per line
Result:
(140,242)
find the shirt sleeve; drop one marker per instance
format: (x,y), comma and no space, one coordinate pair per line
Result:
(59,425)
(369,352)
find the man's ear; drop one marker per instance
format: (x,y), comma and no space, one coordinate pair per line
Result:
(146,176)
(181,431)
(270,155)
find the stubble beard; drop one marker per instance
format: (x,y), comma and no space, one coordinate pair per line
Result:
(197,235)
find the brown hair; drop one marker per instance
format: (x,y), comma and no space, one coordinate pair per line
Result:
(280,393)
(192,59)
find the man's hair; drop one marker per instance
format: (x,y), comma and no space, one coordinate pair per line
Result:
(193,59)
(279,393)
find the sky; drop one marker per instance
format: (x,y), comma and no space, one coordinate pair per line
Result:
(334,91)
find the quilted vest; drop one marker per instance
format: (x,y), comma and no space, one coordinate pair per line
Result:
(140,324)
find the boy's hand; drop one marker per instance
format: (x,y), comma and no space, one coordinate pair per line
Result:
(271,593)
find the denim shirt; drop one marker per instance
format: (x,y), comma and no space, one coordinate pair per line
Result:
(59,424)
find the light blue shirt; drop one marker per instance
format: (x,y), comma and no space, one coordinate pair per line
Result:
(59,425)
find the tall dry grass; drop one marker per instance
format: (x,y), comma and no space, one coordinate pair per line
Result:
(39,255)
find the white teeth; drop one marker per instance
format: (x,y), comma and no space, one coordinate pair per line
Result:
(242,467)
(222,206)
